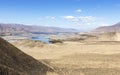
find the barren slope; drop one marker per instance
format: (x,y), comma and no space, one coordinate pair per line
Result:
(15,62)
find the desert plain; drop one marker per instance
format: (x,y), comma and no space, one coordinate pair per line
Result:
(87,54)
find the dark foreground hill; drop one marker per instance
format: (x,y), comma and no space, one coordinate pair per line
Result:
(15,62)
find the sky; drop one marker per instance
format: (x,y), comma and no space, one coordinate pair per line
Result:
(77,14)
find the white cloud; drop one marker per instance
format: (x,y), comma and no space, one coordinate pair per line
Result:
(47,18)
(50,17)
(102,24)
(86,19)
(78,10)
(70,18)
(80,18)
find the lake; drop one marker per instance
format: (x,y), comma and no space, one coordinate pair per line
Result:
(41,38)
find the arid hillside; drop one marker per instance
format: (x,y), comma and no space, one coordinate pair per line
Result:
(112,28)
(15,62)
(108,36)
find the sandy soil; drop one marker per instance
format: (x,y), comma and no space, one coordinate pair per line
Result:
(54,51)
(76,58)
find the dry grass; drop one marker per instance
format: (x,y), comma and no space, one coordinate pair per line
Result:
(54,51)
(87,64)
(79,58)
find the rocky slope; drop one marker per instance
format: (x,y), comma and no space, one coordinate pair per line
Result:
(15,62)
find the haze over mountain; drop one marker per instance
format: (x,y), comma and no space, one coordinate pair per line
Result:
(15,28)
(15,62)
(112,28)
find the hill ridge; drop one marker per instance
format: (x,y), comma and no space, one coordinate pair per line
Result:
(15,62)
(112,28)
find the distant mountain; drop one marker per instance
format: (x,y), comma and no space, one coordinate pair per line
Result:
(113,28)
(15,28)
(15,62)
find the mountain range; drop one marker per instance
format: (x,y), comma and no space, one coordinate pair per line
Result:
(19,28)
(112,28)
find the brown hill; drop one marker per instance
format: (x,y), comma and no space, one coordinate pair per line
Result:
(113,28)
(15,62)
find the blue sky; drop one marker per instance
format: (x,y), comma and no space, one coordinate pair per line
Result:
(79,14)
